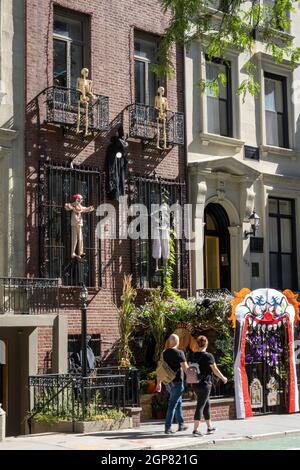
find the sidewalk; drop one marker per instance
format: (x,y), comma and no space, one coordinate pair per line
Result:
(151,436)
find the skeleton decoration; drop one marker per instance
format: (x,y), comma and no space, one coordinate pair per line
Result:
(76,225)
(161,235)
(84,86)
(161,104)
(258,316)
(256,394)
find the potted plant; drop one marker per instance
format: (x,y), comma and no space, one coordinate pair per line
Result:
(151,382)
(159,405)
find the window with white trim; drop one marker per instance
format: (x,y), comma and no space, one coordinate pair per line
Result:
(276,113)
(219,108)
(146,82)
(69,36)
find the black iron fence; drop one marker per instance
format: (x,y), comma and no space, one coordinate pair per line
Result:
(143,124)
(31,296)
(62,108)
(73,398)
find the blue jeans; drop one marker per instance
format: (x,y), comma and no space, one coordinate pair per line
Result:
(175,390)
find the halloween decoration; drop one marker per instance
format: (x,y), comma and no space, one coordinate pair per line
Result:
(76,225)
(161,104)
(264,350)
(84,86)
(116,165)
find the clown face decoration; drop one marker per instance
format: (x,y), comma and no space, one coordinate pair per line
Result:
(264,322)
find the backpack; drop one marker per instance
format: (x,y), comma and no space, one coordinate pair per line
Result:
(164,373)
(193,374)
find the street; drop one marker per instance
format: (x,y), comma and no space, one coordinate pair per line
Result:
(275,443)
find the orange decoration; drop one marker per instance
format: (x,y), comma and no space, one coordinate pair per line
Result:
(292,299)
(238,298)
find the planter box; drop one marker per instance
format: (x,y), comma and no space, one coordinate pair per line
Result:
(146,406)
(82,426)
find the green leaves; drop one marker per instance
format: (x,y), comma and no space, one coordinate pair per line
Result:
(236,24)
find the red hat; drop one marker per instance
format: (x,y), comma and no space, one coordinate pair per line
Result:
(77,196)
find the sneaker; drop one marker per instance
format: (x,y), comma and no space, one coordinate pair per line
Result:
(169,431)
(183,427)
(211,430)
(197,433)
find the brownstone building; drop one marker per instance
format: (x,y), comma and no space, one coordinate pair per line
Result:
(117,41)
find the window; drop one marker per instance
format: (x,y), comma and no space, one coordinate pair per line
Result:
(68,49)
(58,184)
(219,108)
(74,352)
(148,192)
(283,269)
(146,83)
(220,5)
(274,20)
(276,111)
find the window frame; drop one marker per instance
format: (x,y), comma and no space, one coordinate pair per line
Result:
(71,15)
(180,276)
(142,35)
(279,253)
(229,101)
(285,113)
(49,252)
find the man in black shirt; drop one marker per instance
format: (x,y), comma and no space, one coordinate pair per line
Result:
(177,362)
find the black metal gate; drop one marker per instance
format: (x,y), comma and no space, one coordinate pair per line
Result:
(267,367)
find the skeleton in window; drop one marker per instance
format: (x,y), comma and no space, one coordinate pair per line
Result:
(161,104)
(76,225)
(84,86)
(161,234)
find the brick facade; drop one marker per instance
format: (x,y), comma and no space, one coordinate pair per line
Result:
(111,31)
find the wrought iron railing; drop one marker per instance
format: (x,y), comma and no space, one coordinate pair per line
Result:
(31,296)
(143,124)
(132,382)
(73,398)
(62,108)
(213,294)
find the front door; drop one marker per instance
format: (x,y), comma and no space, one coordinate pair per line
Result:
(3,375)
(216,248)
(267,368)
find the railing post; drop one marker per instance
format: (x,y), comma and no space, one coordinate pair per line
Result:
(2,424)
(73,404)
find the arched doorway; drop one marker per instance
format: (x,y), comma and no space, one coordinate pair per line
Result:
(216,248)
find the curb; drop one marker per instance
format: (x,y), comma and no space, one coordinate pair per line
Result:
(218,442)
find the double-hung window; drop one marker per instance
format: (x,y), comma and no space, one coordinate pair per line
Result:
(69,33)
(219,107)
(282,246)
(145,54)
(276,114)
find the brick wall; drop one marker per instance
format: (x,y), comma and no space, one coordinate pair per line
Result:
(111,65)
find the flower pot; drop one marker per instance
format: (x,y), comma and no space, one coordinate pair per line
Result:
(151,387)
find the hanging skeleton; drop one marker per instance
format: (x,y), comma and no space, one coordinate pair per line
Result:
(161,104)
(84,86)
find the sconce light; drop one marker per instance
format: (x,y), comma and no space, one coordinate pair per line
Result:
(254,222)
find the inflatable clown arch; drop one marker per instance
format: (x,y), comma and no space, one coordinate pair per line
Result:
(264,322)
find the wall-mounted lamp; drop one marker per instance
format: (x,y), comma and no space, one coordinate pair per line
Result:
(254,222)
